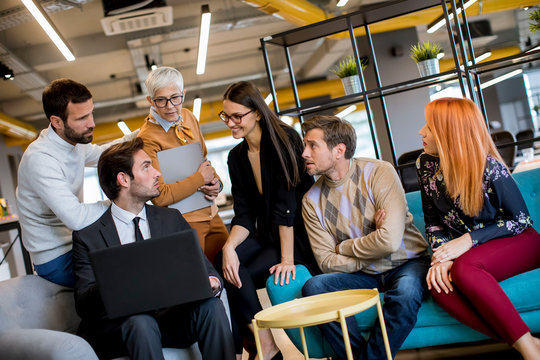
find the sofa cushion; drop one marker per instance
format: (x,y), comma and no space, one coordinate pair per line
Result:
(30,344)
(529,185)
(31,302)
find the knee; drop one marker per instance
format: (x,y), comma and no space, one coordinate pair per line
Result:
(313,286)
(408,292)
(211,307)
(461,271)
(139,324)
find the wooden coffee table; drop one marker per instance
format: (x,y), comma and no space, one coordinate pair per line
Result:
(320,309)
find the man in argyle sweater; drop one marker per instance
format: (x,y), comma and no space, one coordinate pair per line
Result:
(362,235)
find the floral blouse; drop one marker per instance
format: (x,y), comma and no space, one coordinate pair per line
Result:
(504,212)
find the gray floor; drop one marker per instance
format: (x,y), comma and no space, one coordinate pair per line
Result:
(482,351)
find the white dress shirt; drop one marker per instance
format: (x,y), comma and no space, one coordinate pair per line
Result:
(123,220)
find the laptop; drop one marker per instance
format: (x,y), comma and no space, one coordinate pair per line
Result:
(151,274)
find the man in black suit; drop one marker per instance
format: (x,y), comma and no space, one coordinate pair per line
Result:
(127,177)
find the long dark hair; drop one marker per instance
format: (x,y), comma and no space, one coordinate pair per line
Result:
(245,93)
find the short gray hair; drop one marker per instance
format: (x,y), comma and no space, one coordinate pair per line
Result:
(161,77)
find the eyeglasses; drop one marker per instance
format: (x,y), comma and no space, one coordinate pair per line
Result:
(236,118)
(175,101)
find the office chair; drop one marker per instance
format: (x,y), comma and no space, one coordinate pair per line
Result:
(524,135)
(508,153)
(408,172)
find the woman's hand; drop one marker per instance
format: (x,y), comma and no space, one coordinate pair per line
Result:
(207,171)
(231,265)
(211,190)
(452,249)
(438,277)
(283,272)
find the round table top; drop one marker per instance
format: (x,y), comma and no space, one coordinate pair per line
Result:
(317,309)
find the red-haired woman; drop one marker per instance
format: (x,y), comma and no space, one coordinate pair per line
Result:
(476,222)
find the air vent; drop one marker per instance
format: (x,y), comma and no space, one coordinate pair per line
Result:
(137,20)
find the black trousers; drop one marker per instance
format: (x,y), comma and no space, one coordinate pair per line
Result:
(143,336)
(255,261)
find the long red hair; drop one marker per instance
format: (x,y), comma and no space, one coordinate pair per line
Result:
(464,142)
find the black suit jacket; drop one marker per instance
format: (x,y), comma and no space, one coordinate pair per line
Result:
(278,204)
(102,234)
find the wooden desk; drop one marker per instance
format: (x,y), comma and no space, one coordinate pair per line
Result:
(320,309)
(11,222)
(527,165)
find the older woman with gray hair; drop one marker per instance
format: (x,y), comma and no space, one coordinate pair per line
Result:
(169,125)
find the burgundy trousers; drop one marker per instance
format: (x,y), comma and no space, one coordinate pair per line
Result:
(478,300)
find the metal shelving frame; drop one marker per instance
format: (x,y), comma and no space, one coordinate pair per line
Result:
(467,75)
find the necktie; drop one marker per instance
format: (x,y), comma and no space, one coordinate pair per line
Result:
(138,233)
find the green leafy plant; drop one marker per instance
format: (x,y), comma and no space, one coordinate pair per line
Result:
(535,17)
(425,51)
(347,67)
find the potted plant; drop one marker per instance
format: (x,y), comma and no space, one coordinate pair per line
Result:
(535,18)
(348,73)
(425,56)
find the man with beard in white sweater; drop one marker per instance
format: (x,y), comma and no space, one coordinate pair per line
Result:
(50,180)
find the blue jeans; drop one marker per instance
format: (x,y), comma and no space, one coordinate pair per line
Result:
(404,289)
(58,270)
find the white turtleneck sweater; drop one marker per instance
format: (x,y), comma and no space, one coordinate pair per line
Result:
(50,194)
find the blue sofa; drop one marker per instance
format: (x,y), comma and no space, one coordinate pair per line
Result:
(434,326)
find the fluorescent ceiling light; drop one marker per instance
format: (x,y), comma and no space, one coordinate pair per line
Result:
(197,103)
(342,3)
(123,127)
(43,20)
(442,21)
(287,120)
(483,56)
(203,39)
(346,111)
(268,99)
(498,79)
(478,58)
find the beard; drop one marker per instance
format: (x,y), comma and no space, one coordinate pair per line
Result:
(143,194)
(75,137)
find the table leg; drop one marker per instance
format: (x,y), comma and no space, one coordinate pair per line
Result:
(304,344)
(257,339)
(383,329)
(346,339)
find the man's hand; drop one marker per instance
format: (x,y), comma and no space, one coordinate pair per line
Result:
(211,190)
(380,215)
(214,284)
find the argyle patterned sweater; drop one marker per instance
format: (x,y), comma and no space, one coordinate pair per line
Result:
(342,212)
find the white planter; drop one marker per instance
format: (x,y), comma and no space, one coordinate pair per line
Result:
(428,67)
(351,84)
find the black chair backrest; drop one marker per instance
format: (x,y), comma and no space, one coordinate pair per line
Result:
(524,135)
(508,153)
(408,172)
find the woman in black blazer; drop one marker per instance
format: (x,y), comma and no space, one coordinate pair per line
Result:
(268,182)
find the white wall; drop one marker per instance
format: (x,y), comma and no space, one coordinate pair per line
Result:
(7,191)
